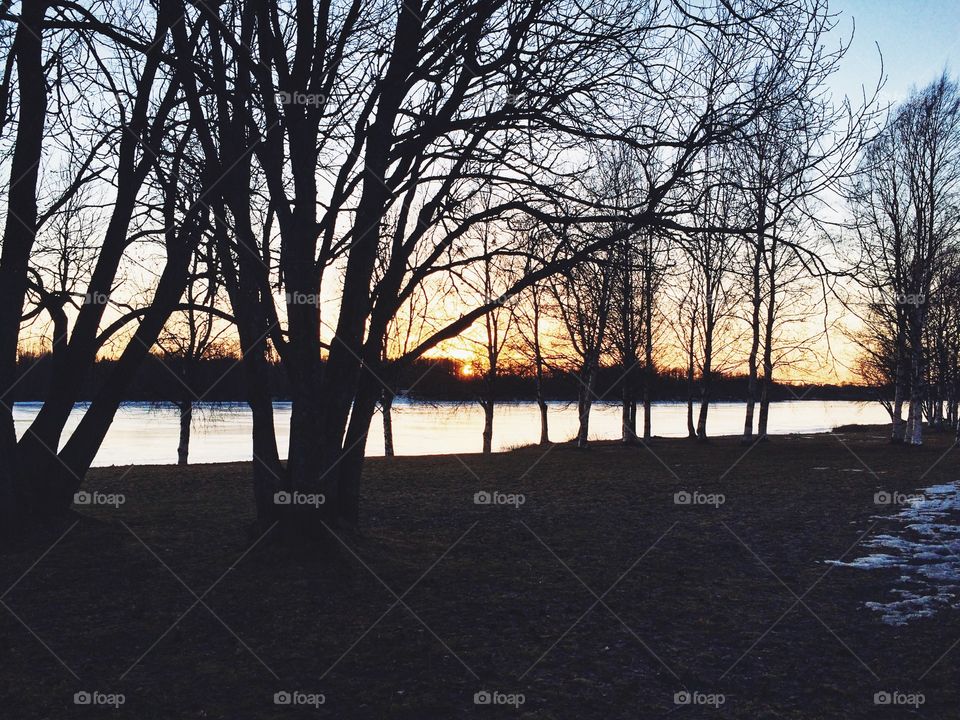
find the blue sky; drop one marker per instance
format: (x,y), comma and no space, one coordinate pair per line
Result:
(918,38)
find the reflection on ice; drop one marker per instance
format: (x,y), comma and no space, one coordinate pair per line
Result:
(925,548)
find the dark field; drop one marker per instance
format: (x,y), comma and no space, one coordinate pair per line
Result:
(598,597)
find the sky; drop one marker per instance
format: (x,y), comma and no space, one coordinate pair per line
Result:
(917,38)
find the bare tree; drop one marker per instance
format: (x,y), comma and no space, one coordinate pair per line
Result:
(791,154)
(315,139)
(906,207)
(19,233)
(711,255)
(104,106)
(494,278)
(543,74)
(583,296)
(531,312)
(192,335)
(410,326)
(621,184)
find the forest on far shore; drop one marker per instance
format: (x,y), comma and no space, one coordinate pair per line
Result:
(220,379)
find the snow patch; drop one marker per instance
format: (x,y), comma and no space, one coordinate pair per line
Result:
(924,546)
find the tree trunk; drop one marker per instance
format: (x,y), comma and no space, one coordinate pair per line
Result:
(186,417)
(37,447)
(767,365)
(915,417)
(243,288)
(488,406)
(898,428)
(544,428)
(628,413)
(955,410)
(707,376)
(323,398)
(538,360)
(704,399)
(19,236)
(691,429)
(350,468)
(584,404)
(386,406)
(81,449)
(648,369)
(755,328)
(911,421)
(764,405)
(768,341)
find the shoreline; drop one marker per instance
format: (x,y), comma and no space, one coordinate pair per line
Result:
(851,429)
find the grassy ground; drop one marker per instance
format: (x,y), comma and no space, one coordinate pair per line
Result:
(598,597)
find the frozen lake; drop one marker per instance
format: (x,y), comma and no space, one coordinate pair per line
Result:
(147,434)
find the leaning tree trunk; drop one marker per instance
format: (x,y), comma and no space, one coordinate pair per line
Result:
(80,450)
(37,447)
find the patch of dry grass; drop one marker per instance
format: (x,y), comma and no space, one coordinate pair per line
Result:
(598,597)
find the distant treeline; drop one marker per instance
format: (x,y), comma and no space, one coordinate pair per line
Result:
(220,380)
